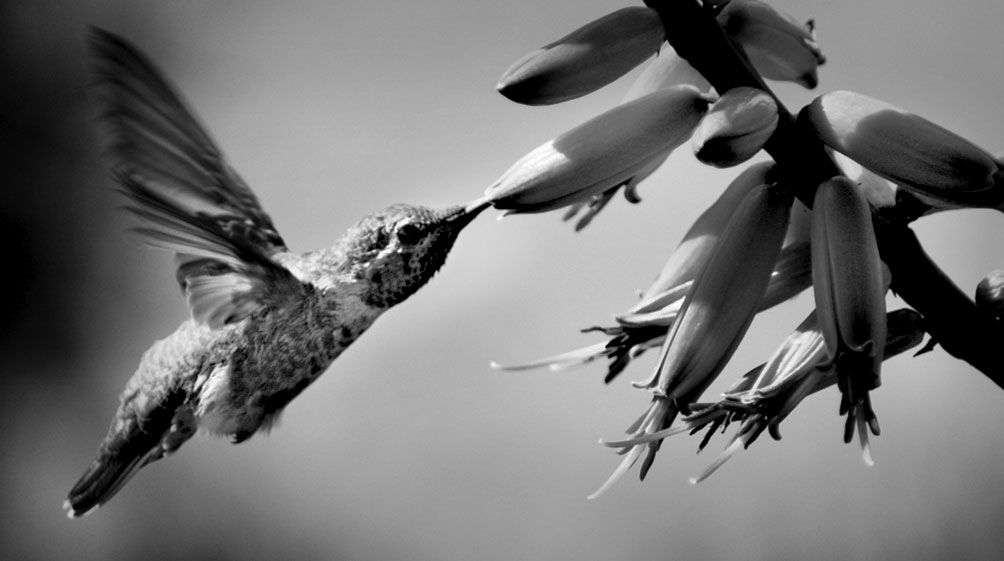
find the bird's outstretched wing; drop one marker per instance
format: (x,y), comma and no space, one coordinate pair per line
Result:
(180,186)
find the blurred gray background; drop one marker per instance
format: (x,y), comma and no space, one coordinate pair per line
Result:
(410,447)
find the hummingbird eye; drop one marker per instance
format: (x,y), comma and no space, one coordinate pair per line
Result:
(408,234)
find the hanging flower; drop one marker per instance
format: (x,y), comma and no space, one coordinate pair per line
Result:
(850,298)
(615,149)
(736,127)
(713,319)
(767,394)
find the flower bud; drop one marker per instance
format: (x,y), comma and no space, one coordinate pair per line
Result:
(905,148)
(778,46)
(601,154)
(586,59)
(990,294)
(736,127)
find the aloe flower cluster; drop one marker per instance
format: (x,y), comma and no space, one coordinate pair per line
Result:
(780,227)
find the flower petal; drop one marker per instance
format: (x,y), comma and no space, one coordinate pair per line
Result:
(600,154)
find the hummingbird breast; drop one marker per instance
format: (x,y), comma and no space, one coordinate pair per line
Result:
(282,350)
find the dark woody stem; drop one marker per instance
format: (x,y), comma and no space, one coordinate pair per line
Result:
(950,315)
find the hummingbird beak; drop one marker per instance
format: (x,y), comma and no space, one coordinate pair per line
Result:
(460,216)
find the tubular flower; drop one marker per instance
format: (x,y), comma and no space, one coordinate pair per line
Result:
(713,318)
(586,59)
(645,324)
(778,46)
(665,70)
(906,149)
(699,242)
(850,298)
(611,150)
(736,127)
(767,394)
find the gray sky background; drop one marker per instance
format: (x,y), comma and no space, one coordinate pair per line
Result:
(410,446)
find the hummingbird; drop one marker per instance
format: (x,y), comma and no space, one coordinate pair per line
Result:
(264,321)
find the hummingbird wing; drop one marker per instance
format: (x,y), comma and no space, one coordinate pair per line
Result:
(225,277)
(186,195)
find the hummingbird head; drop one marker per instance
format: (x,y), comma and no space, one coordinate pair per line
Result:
(398,249)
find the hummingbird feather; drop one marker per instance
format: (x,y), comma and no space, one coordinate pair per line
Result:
(139,438)
(224,275)
(157,140)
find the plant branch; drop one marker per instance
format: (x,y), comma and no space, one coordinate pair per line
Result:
(950,315)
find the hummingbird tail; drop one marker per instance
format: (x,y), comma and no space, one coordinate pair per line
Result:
(105,476)
(133,441)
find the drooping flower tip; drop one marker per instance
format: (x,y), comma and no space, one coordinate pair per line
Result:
(659,415)
(765,395)
(866,449)
(860,417)
(586,59)
(736,127)
(730,450)
(613,149)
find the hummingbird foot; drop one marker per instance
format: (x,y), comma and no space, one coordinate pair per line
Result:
(240,436)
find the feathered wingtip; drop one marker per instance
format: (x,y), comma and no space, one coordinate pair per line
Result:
(112,58)
(154,140)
